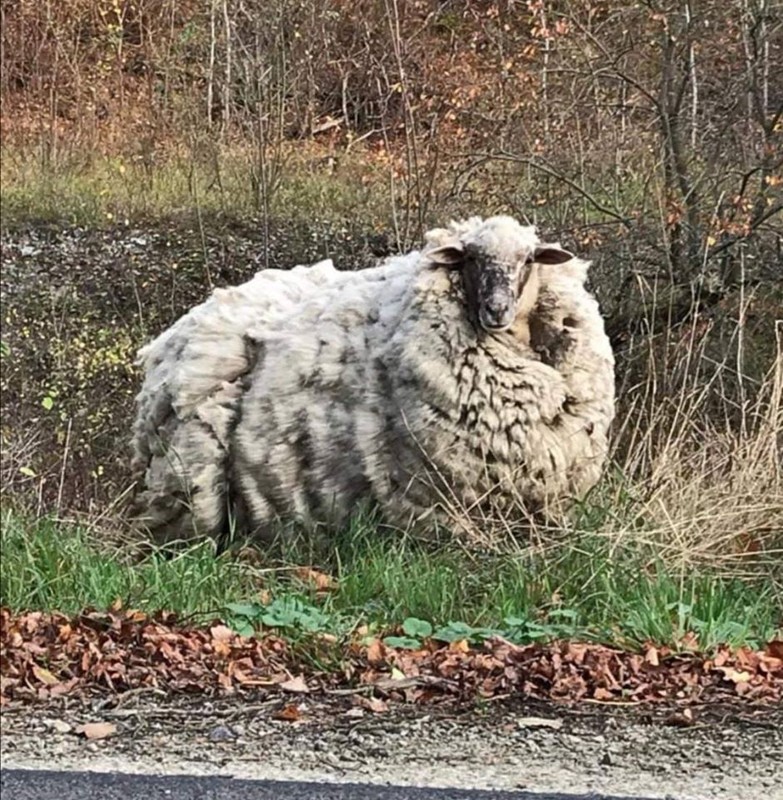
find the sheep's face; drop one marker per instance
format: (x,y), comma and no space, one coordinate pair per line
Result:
(499,274)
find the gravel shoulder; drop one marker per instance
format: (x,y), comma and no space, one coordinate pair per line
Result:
(725,753)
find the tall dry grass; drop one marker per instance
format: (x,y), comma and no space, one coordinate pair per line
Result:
(706,461)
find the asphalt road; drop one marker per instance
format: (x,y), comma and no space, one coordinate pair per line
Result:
(37,785)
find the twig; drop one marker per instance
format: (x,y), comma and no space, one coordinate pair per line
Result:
(367,689)
(547,170)
(66,450)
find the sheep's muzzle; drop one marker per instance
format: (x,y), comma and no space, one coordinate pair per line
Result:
(496,300)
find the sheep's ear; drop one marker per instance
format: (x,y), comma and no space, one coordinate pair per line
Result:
(551,254)
(450,255)
(438,236)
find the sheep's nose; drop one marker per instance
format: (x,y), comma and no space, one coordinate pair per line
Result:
(497,312)
(496,304)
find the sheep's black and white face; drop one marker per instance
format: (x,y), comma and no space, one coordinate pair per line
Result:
(498,267)
(493,287)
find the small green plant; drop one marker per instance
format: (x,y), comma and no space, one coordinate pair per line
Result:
(415,631)
(456,631)
(48,400)
(417,627)
(515,629)
(288,613)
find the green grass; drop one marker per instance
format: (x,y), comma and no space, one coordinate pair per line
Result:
(583,587)
(86,188)
(47,565)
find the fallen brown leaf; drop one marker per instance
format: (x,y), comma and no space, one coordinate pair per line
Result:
(289,713)
(97,730)
(734,675)
(222,633)
(722,657)
(95,653)
(45,676)
(651,656)
(775,648)
(374,704)
(250,555)
(321,581)
(265,597)
(690,641)
(296,685)
(60,689)
(376,652)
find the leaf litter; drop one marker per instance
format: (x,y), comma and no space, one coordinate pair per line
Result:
(49,655)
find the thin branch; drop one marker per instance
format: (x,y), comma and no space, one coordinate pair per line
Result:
(614,60)
(547,170)
(756,223)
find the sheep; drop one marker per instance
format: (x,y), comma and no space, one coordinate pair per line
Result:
(473,376)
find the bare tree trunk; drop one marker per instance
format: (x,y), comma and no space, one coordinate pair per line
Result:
(685,238)
(692,74)
(227,75)
(211,67)
(413,195)
(545,67)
